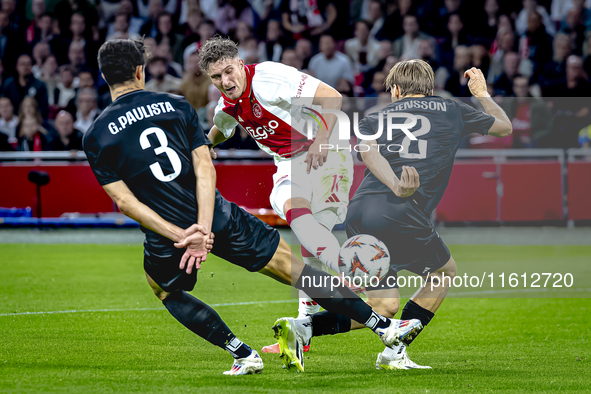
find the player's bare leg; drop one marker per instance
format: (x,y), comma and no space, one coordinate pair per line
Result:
(307,228)
(338,300)
(205,322)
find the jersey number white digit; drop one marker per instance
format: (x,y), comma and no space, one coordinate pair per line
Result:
(422,144)
(163,148)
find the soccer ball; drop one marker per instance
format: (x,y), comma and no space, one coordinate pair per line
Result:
(364,256)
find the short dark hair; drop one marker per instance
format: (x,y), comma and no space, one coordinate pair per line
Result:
(118,60)
(216,49)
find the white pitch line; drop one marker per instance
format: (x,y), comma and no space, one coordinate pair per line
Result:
(142,309)
(467,293)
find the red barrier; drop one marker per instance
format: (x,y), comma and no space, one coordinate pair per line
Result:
(532,191)
(72,188)
(579,191)
(471,194)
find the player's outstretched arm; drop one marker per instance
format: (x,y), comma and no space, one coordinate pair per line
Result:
(132,207)
(328,98)
(216,137)
(477,85)
(379,166)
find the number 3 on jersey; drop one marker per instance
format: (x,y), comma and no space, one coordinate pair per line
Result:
(163,148)
(422,144)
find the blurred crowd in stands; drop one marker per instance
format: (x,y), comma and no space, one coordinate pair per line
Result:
(536,55)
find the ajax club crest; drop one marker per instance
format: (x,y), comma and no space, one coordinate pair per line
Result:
(257,110)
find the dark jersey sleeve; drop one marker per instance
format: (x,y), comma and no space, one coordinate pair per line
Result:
(365,127)
(102,170)
(475,121)
(196,135)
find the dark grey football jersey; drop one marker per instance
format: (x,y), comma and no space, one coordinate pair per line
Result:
(145,139)
(441,124)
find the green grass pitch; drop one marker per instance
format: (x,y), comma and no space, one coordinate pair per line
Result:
(504,345)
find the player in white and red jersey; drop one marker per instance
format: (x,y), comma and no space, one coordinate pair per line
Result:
(262,99)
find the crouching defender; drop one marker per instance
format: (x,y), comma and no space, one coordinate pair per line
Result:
(152,158)
(395,206)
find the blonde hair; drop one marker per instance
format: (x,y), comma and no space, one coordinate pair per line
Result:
(412,77)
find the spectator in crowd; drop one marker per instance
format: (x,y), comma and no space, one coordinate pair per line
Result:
(480,58)
(363,51)
(14,20)
(290,57)
(455,36)
(195,83)
(8,120)
(41,51)
(206,31)
(230,12)
(149,13)
(579,14)
(575,26)
(407,46)
(457,85)
(2,74)
(213,96)
(43,29)
(31,33)
(5,146)
(121,28)
(585,137)
(49,76)
(503,85)
(166,35)
(160,80)
(395,13)
(529,115)
(163,50)
(303,49)
(65,87)
(135,23)
(86,102)
(491,7)
(69,137)
(65,9)
(536,44)
(10,44)
(377,86)
(190,30)
(531,7)
(306,19)
(375,15)
(505,43)
(272,48)
(554,72)
(26,85)
(330,65)
(249,50)
(148,9)
(32,136)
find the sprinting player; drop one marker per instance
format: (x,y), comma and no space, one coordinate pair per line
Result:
(151,156)
(259,98)
(395,206)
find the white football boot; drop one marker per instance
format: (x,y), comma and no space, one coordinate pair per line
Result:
(246,366)
(291,335)
(399,330)
(399,361)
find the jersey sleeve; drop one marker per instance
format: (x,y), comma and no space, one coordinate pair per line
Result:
(475,121)
(224,122)
(99,163)
(365,128)
(196,135)
(284,83)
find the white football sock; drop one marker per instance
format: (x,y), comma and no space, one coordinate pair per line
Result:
(307,305)
(305,324)
(317,240)
(394,352)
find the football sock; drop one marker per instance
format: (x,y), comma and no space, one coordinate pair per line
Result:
(307,305)
(313,236)
(394,352)
(327,323)
(205,322)
(339,300)
(412,310)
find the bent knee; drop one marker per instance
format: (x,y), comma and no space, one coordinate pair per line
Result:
(449,269)
(160,294)
(387,309)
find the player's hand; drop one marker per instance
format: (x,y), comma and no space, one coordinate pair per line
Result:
(198,242)
(213,153)
(409,182)
(316,156)
(477,83)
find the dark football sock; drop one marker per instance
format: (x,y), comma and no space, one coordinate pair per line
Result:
(205,322)
(328,323)
(412,310)
(317,285)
